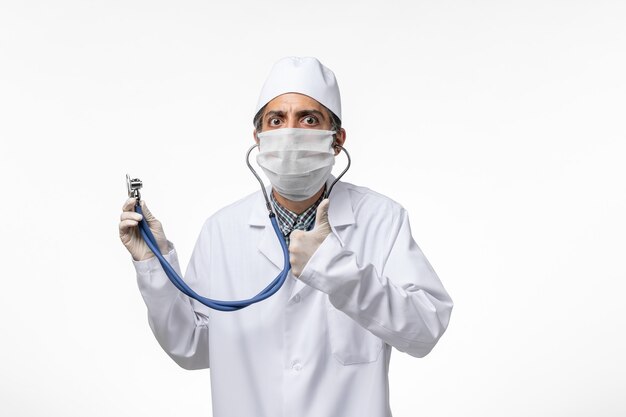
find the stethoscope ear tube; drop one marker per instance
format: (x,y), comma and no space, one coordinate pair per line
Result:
(327,193)
(267,200)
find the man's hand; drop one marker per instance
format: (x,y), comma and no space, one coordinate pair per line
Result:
(302,245)
(130,235)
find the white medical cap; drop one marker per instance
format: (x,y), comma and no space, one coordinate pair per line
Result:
(304,75)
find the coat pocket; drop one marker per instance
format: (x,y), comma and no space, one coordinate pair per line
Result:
(349,342)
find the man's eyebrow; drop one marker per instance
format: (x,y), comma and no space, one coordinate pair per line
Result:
(278,113)
(299,113)
(311,111)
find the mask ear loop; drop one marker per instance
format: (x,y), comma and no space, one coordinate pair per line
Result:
(327,193)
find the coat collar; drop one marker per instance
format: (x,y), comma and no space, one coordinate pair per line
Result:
(340,212)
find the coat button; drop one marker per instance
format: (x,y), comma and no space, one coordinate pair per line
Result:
(296,366)
(296,298)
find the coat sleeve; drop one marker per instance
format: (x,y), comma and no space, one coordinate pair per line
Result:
(404,303)
(179,323)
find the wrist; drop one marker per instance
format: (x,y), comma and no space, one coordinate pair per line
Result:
(144,257)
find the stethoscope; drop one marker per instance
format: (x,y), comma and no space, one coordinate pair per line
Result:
(135,184)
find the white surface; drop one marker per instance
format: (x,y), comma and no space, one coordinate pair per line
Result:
(498,125)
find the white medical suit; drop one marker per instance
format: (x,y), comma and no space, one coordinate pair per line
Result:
(320,347)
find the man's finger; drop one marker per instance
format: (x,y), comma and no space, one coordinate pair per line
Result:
(131,215)
(126,225)
(129,205)
(295,235)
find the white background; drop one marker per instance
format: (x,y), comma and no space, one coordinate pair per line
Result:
(499,125)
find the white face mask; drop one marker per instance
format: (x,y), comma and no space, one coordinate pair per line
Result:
(296,161)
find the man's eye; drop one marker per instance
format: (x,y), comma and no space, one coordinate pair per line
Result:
(310,120)
(274,122)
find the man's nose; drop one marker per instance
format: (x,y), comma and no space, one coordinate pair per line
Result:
(292,122)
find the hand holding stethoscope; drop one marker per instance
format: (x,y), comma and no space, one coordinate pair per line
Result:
(131,235)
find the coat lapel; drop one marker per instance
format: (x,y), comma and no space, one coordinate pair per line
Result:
(269,245)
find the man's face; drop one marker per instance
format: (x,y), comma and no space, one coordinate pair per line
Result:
(296,110)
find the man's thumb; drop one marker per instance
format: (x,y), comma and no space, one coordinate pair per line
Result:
(321,217)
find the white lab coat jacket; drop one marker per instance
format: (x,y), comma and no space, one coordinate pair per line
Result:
(320,347)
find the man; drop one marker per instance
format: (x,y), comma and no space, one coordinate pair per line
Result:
(359,285)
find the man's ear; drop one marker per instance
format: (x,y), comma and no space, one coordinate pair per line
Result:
(256,139)
(340,139)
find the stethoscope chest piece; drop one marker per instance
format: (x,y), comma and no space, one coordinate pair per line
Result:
(133,185)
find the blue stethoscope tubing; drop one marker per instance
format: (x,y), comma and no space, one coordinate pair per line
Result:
(222,305)
(270,290)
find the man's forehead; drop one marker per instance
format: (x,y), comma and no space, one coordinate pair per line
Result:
(291,101)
